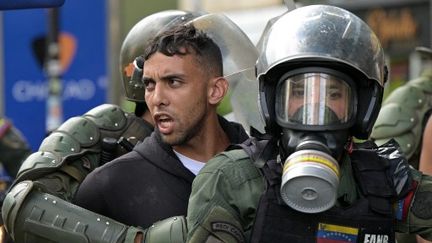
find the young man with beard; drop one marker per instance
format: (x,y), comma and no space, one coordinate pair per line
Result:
(49,178)
(183,75)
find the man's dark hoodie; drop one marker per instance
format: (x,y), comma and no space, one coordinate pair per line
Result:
(146,185)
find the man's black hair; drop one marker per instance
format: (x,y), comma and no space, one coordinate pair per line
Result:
(186,39)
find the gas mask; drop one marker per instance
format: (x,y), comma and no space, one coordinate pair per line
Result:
(315,107)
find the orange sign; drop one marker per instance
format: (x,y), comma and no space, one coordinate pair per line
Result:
(393,25)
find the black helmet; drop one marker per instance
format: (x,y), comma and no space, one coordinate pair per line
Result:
(325,39)
(135,43)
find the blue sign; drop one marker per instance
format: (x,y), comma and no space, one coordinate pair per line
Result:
(83,63)
(20,4)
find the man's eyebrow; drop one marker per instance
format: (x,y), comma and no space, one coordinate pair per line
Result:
(164,78)
(173,75)
(147,79)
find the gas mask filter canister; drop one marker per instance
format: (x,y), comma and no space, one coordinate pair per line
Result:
(310,180)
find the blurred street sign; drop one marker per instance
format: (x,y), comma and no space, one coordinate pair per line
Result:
(83,63)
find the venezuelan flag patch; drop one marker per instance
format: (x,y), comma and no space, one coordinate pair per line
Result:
(401,208)
(330,233)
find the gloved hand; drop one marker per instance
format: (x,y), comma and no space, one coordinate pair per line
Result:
(399,168)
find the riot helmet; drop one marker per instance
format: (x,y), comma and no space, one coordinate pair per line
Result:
(135,43)
(321,45)
(321,74)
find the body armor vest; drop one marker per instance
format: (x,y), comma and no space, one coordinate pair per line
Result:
(369,219)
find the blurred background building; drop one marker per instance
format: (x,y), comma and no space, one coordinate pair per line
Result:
(42,85)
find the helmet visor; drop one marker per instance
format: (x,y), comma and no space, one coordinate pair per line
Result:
(314,99)
(239,57)
(238,53)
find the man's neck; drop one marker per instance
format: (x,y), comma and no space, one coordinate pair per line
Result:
(211,140)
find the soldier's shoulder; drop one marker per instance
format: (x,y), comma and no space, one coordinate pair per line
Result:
(227,160)
(235,165)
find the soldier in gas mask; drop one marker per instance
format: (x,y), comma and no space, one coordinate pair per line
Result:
(321,74)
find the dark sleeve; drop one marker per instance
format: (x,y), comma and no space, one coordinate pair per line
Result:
(90,194)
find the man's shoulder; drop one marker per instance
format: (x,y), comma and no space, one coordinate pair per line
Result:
(150,145)
(124,161)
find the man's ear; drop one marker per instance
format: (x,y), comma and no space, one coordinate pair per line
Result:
(217,89)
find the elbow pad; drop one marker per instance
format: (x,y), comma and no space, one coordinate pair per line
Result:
(32,216)
(170,230)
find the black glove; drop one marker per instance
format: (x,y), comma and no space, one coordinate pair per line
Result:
(398,167)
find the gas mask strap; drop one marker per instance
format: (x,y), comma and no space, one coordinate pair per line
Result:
(260,151)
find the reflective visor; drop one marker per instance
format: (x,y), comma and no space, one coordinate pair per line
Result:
(316,99)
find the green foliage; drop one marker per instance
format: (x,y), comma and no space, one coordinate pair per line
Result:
(225,105)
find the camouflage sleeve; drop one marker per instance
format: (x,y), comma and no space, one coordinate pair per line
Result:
(414,212)
(224,197)
(33,216)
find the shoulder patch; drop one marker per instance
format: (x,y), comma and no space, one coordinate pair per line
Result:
(229,229)
(422,207)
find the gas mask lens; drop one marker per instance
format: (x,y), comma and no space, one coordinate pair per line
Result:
(313,99)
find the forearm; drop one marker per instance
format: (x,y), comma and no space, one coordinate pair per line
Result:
(33,216)
(48,179)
